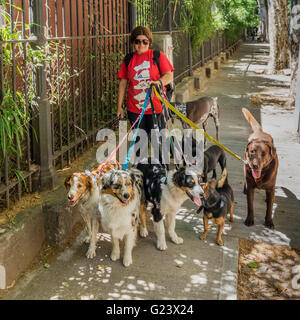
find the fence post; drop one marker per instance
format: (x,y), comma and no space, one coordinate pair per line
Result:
(132,13)
(190,55)
(169,17)
(48,176)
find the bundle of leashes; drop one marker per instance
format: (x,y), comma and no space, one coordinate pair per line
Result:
(129,153)
(193,125)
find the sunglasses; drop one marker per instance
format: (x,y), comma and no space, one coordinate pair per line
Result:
(138,41)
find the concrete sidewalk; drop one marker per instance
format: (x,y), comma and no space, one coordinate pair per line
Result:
(196,269)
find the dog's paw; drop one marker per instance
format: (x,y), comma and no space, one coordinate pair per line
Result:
(220,242)
(115,256)
(87,240)
(249,222)
(269,224)
(161,245)
(203,236)
(143,232)
(231,219)
(127,261)
(177,240)
(91,253)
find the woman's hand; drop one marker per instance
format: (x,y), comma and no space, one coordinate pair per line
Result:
(157,82)
(121,94)
(120,113)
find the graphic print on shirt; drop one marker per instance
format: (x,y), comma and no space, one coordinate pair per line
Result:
(142,76)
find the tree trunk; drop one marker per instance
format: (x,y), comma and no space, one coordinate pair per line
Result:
(294,45)
(264,20)
(278,32)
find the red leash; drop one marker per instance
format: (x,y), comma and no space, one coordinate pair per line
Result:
(118,146)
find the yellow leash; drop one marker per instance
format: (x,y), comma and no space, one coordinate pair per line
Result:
(193,125)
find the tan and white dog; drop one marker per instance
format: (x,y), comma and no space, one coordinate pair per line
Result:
(122,207)
(83,192)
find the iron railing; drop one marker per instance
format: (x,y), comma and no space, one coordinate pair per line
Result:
(75,88)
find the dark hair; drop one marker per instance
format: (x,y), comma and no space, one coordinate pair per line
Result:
(141,31)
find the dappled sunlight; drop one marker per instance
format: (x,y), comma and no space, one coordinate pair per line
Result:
(229,285)
(182,214)
(133,288)
(84,281)
(271,236)
(198,279)
(237,96)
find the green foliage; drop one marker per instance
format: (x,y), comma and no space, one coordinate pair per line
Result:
(197,18)
(237,15)
(14,114)
(202,18)
(20,61)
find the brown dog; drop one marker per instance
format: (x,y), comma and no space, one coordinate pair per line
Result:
(261,170)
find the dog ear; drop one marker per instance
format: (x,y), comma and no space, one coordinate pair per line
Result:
(106,179)
(223,178)
(90,184)
(178,177)
(272,149)
(67,182)
(132,177)
(247,147)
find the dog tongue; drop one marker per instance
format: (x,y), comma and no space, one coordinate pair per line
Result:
(72,203)
(256,173)
(197,201)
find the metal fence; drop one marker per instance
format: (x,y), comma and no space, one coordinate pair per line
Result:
(71,93)
(74,89)
(166,16)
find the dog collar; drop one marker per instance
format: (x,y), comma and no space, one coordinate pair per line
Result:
(88,172)
(220,200)
(245,162)
(163,180)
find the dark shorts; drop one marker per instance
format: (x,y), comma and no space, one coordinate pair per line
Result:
(146,124)
(147,121)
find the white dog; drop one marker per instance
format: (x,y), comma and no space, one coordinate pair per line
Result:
(122,206)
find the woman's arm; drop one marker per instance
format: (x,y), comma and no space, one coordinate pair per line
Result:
(121,95)
(166,78)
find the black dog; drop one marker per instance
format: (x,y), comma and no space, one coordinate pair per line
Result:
(217,202)
(212,156)
(167,191)
(155,176)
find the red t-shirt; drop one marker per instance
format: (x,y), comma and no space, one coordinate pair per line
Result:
(141,70)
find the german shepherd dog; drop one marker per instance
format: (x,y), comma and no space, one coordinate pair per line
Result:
(217,201)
